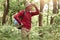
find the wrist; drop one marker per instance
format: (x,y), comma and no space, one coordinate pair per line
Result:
(34,5)
(22,24)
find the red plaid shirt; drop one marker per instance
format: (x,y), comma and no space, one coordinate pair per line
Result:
(26,19)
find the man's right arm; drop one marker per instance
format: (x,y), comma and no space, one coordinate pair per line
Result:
(36,10)
(17,17)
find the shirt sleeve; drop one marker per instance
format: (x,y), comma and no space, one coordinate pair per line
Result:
(35,13)
(17,16)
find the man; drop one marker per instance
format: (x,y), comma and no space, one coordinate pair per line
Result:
(26,21)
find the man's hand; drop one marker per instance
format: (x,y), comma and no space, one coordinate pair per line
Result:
(21,24)
(34,5)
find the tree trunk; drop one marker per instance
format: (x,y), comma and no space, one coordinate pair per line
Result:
(54,10)
(41,10)
(54,6)
(6,10)
(40,19)
(58,5)
(51,21)
(48,12)
(41,16)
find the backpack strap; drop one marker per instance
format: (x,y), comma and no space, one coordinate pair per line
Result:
(24,12)
(23,15)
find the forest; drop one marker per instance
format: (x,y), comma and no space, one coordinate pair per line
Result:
(45,26)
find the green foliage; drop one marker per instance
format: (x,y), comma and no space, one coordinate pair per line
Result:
(1,5)
(15,6)
(57,19)
(50,32)
(9,33)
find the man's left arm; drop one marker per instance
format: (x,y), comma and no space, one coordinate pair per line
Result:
(36,12)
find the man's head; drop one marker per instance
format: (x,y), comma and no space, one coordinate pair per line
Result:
(28,6)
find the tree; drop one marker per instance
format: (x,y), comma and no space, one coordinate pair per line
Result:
(6,10)
(54,10)
(41,10)
(54,6)
(41,16)
(58,5)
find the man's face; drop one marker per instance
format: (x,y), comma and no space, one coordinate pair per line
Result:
(29,8)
